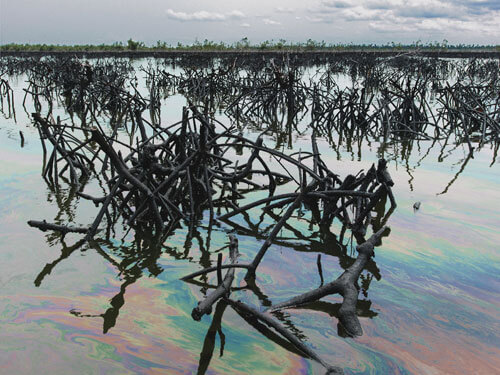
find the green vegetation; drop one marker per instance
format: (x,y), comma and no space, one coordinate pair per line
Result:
(245,45)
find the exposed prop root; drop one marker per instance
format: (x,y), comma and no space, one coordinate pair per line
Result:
(244,308)
(345,285)
(223,289)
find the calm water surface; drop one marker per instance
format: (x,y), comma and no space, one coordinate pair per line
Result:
(435,308)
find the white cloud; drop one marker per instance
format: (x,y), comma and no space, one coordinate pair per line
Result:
(320,19)
(361,14)
(386,27)
(269,21)
(284,10)
(429,9)
(204,15)
(436,19)
(430,25)
(338,3)
(236,14)
(411,17)
(356,21)
(384,4)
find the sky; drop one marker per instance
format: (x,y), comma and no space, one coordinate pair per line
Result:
(334,21)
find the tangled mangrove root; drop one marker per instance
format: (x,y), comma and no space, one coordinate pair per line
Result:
(176,173)
(157,178)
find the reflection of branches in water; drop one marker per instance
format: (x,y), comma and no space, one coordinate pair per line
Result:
(6,92)
(209,343)
(142,254)
(328,244)
(345,285)
(145,249)
(445,152)
(64,198)
(400,99)
(270,334)
(464,163)
(382,217)
(205,253)
(65,253)
(403,97)
(421,159)
(495,152)
(406,157)
(262,297)
(111,314)
(170,175)
(388,99)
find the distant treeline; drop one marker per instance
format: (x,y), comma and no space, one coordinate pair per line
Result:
(245,45)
